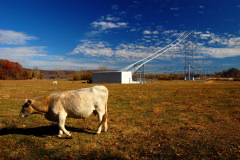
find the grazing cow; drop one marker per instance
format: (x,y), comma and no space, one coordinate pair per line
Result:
(75,104)
(54,83)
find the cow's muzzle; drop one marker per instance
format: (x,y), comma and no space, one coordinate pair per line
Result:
(21,115)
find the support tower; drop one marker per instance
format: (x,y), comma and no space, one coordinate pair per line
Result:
(189,50)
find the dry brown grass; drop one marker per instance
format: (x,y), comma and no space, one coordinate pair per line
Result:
(164,120)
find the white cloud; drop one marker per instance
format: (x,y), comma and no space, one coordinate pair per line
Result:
(111,18)
(122,24)
(169,32)
(14,38)
(69,64)
(107,25)
(27,53)
(23,55)
(147,32)
(205,36)
(22,52)
(122,52)
(220,52)
(133,30)
(30,57)
(214,39)
(27,56)
(234,41)
(93,49)
(131,52)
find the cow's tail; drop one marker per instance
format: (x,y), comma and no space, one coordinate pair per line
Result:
(104,118)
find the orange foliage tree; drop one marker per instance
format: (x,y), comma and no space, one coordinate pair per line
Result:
(12,70)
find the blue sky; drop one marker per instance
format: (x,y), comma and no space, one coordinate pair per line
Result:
(76,34)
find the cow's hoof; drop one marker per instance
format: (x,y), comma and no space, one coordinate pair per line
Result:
(69,137)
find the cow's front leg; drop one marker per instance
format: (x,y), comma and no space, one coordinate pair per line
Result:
(60,133)
(61,124)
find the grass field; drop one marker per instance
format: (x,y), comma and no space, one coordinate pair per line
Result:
(165,120)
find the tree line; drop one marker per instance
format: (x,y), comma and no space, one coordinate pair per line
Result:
(230,73)
(14,71)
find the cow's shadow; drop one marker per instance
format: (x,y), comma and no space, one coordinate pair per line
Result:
(42,131)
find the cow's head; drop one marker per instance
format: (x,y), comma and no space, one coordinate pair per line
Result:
(27,109)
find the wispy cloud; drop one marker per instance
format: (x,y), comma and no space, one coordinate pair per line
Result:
(93,48)
(14,49)
(150,32)
(221,41)
(22,51)
(115,7)
(138,16)
(112,18)
(108,25)
(69,64)
(121,53)
(147,32)
(219,52)
(135,51)
(13,46)
(14,38)
(105,24)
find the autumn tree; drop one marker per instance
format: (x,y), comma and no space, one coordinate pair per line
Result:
(14,70)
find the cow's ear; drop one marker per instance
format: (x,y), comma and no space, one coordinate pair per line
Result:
(29,102)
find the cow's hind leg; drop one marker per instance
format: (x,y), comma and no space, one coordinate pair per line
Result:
(104,121)
(61,124)
(102,117)
(105,126)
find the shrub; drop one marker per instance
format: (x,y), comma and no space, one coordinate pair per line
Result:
(81,76)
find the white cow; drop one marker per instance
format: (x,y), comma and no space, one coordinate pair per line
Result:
(54,83)
(75,104)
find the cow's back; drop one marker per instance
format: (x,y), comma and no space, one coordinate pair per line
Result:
(81,103)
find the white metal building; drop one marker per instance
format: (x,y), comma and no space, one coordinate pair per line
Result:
(122,77)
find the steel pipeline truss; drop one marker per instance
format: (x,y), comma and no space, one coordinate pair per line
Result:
(156,54)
